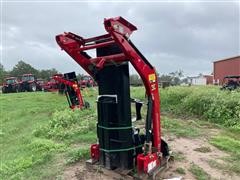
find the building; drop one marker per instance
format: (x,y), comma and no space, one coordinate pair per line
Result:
(209,79)
(200,80)
(225,67)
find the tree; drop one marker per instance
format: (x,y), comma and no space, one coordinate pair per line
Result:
(23,68)
(46,74)
(2,73)
(135,80)
(174,78)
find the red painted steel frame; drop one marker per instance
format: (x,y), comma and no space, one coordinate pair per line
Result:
(75,87)
(119,31)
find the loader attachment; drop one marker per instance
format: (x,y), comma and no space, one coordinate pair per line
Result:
(72,90)
(120,144)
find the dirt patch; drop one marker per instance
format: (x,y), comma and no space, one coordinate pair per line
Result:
(187,147)
(79,171)
(186,155)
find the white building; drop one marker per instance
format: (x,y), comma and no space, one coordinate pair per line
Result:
(197,80)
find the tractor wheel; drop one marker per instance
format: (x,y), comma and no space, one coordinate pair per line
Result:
(33,87)
(4,90)
(19,88)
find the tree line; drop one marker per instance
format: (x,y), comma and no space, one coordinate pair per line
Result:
(173,78)
(24,68)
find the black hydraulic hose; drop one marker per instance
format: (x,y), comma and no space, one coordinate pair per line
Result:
(148,125)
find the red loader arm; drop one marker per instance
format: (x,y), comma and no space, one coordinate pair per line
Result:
(119,31)
(75,87)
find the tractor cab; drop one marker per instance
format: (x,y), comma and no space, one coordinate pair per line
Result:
(28,83)
(11,80)
(231,82)
(10,85)
(87,81)
(28,77)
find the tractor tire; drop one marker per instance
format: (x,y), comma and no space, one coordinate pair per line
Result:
(33,87)
(19,88)
(4,90)
(16,90)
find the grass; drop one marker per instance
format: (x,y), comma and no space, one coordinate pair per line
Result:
(230,144)
(179,156)
(198,172)
(32,134)
(203,149)
(178,127)
(180,170)
(204,102)
(39,135)
(76,154)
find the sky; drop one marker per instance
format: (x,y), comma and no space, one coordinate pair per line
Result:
(173,36)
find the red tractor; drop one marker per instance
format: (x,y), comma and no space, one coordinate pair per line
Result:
(10,85)
(29,83)
(231,83)
(87,81)
(53,85)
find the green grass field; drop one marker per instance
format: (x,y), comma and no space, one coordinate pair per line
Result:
(27,147)
(40,135)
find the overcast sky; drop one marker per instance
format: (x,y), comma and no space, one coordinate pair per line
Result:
(172,36)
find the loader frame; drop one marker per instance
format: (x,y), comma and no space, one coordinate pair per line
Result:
(118,33)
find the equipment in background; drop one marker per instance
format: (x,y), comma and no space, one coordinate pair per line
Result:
(52,85)
(72,90)
(10,85)
(87,81)
(231,83)
(29,82)
(121,146)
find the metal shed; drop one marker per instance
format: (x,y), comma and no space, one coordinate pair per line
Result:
(225,67)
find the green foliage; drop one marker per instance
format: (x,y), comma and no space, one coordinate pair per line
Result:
(178,128)
(180,170)
(229,142)
(77,154)
(206,102)
(178,156)
(174,78)
(2,73)
(46,74)
(66,124)
(23,68)
(135,80)
(199,173)
(38,130)
(226,143)
(40,150)
(203,149)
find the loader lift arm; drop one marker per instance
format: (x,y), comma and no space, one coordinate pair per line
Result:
(75,99)
(118,33)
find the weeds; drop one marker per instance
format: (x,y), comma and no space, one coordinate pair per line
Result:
(199,173)
(66,124)
(179,156)
(178,127)
(180,170)
(203,149)
(206,102)
(77,154)
(232,146)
